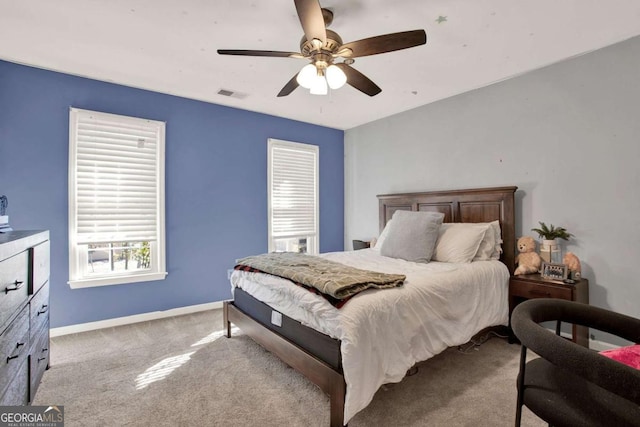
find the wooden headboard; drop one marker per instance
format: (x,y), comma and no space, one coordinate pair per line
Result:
(473,205)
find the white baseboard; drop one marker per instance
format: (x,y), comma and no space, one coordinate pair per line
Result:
(126,320)
(601,345)
(593,344)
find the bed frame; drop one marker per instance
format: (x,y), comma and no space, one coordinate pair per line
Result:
(316,355)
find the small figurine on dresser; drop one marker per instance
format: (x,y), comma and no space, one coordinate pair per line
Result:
(573,264)
(4,218)
(527,259)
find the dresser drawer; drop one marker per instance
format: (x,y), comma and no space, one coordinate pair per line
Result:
(17,390)
(538,290)
(39,361)
(14,285)
(40,266)
(39,311)
(14,348)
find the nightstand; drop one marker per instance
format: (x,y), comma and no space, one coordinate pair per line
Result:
(360,244)
(528,286)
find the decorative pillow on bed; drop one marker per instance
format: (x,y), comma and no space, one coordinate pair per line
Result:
(459,242)
(381,238)
(491,245)
(412,235)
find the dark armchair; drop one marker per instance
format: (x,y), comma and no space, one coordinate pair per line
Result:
(569,385)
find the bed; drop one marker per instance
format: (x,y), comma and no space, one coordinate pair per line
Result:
(325,352)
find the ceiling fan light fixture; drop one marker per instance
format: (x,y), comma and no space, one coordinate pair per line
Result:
(335,77)
(307,76)
(319,86)
(322,46)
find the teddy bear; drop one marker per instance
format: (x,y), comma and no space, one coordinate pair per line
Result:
(527,259)
(573,264)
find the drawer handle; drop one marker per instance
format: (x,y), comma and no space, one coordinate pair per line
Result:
(16,285)
(12,357)
(543,293)
(40,359)
(43,310)
(45,350)
(19,344)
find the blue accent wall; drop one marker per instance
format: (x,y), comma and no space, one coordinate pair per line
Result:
(216,187)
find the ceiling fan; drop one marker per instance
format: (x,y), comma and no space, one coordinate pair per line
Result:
(323,47)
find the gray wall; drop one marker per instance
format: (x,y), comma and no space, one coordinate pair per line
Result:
(567,135)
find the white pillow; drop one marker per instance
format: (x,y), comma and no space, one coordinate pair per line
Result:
(412,235)
(382,236)
(459,242)
(497,251)
(487,245)
(491,246)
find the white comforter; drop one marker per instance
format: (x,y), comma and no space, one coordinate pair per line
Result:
(385,332)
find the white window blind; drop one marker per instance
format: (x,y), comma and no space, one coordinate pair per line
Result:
(293,195)
(116,185)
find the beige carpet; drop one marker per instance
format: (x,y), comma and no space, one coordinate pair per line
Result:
(181,371)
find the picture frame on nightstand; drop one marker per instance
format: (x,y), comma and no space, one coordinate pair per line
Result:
(553,271)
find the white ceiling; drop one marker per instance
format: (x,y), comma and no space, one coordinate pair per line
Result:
(170,46)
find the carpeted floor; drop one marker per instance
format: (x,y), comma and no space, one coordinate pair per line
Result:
(181,371)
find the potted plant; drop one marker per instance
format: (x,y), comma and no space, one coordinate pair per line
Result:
(550,250)
(552,232)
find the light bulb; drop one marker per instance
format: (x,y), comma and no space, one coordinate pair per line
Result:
(307,76)
(335,77)
(319,86)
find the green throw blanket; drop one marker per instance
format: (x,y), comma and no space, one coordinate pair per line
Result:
(331,278)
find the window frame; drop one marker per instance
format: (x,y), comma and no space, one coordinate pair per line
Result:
(78,252)
(314,247)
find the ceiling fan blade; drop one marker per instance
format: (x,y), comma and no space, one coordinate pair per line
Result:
(382,44)
(310,15)
(289,87)
(272,53)
(359,81)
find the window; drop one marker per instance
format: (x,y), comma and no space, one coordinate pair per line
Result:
(293,197)
(116,199)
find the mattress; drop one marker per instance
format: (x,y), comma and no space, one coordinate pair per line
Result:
(384,332)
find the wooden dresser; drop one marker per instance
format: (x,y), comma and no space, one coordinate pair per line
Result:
(24,314)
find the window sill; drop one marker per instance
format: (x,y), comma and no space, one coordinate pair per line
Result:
(116,280)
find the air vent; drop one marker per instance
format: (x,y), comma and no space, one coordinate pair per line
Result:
(231,94)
